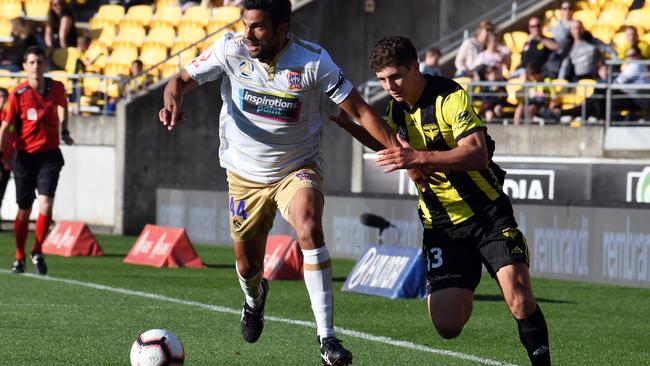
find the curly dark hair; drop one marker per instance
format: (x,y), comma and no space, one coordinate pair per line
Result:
(280,10)
(392,51)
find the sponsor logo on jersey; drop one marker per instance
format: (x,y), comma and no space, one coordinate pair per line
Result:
(285,109)
(638,186)
(303,175)
(246,69)
(431,130)
(295,80)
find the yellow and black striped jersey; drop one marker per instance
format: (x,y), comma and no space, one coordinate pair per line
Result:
(443,116)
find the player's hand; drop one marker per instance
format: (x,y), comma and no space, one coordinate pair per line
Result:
(403,157)
(67,139)
(342,118)
(170,114)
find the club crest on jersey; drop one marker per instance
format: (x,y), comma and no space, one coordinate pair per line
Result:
(295,80)
(246,69)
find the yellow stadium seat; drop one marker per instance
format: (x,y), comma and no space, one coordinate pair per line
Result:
(226,14)
(139,13)
(619,41)
(164,3)
(66,58)
(6,81)
(191,34)
(62,76)
(96,55)
(515,41)
(124,55)
(163,35)
(91,86)
(463,81)
(37,9)
(186,56)
(117,69)
(169,16)
(152,53)
(107,36)
(587,17)
(111,12)
(514,89)
(169,69)
(5,28)
(11,10)
(196,15)
(611,18)
(603,32)
(616,6)
(638,18)
(130,35)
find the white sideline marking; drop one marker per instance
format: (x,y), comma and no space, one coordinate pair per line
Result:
(223,309)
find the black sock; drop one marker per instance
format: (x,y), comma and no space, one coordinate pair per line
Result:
(534,336)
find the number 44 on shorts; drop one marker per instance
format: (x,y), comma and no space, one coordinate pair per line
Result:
(241,208)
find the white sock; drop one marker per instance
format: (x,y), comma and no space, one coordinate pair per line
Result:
(252,288)
(318,279)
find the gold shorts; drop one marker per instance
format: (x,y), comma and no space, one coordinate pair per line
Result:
(252,205)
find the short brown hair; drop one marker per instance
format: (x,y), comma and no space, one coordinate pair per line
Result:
(392,51)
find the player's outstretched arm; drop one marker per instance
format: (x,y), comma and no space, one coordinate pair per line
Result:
(173,98)
(471,154)
(358,132)
(358,109)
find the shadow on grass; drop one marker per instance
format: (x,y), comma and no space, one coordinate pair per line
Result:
(339,279)
(499,298)
(226,266)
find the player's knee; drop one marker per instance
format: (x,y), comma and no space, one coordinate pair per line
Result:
(522,306)
(309,233)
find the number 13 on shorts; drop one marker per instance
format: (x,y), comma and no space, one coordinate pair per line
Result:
(434,258)
(241,208)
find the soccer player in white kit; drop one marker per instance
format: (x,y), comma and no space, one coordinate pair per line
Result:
(269,131)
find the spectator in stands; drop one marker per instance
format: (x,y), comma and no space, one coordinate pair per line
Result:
(594,105)
(5,166)
(24,37)
(537,48)
(493,97)
(60,31)
(492,55)
(632,40)
(632,71)
(543,103)
(561,29)
(430,64)
(470,48)
(582,61)
(140,81)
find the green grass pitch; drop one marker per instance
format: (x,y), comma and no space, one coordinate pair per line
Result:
(95,320)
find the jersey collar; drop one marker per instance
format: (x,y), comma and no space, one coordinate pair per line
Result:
(270,68)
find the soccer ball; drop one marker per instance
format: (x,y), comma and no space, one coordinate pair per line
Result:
(157,347)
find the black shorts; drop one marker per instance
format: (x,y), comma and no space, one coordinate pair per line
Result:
(454,257)
(36,171)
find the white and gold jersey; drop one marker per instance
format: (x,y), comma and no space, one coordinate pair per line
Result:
(270,120)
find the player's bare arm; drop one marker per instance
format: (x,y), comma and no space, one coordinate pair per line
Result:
(357,131)
(471,154)
(358,109)
(173,99)
(62,111)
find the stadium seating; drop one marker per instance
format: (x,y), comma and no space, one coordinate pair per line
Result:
(125,55)
(10,10)
(130,35)
(515,41)
(162,35)
(37,9)
(195,17)
(107,14)
(140,14)
(225,15)
(168,17)
(66,59)
(5,28)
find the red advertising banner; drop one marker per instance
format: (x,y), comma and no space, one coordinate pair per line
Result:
(72,238)
(159,246)
(283,258)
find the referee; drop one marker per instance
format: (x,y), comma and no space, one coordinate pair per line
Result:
(37,108)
